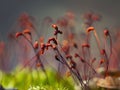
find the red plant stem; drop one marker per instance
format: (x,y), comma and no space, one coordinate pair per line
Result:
(33,48)
(108,58)
(75,73)
(97,40)
(37,55)
(26,63)
(84,69)
(110,46)
(98,43)
(88,37)
(88,65)
(107,64)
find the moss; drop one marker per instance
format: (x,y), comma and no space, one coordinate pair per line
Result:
(27,79)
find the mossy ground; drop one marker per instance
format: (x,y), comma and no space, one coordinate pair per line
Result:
(35,80)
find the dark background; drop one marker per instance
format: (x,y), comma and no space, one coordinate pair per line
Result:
(11,9)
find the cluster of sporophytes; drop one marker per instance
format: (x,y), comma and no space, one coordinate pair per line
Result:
(63,55)
(73,55)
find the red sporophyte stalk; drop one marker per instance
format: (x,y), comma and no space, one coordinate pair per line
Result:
(35,47)
(89,29)
(71,62)
(83,61)
(78,56)
(85,46)
(93,60)
(103,52)
(107,35)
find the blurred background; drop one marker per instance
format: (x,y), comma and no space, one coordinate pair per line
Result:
(10,10)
